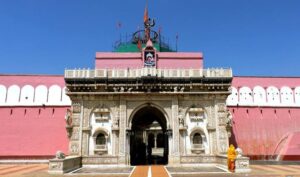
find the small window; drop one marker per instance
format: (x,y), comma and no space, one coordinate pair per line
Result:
(197,139)
(100,140)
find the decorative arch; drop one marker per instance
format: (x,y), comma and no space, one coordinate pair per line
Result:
(197,130)
(13,94)
(54,96)
(2,94)
(286,95)
(27,94)
(259,95)
(100,140)
(273,95)
(245,96)
(100,130)
(198,144)
(129,123)
(297,95)
(65,98)
(41,93)
(195,114)
(232,99)
(98,109)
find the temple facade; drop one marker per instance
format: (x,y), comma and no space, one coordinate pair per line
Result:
(148,115)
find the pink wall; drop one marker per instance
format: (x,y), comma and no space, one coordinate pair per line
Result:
(134,60)
(265,81)
(259,130)
(33,80)
(31,133)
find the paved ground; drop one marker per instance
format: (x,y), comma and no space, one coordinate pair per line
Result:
(40,170)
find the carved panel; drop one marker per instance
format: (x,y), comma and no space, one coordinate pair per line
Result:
(223,146)
(122,137)
(221,107)
(100,160)
(198,159)
(74,148)
(76,107)
(222,134)
(85,137)
(75,133)
(175,126)
(55,166)
(76,121)
(242,164)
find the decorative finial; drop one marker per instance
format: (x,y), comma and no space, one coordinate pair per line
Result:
(148,23)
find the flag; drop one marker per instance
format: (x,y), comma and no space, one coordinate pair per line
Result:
(159,30)
(139,44)
(119,25)
(146,14)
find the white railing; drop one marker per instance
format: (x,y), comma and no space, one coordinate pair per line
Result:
(134,73)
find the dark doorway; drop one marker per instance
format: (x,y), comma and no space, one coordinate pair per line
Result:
(148,137)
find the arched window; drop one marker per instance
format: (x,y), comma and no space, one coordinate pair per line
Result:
(197,139)
(100,140)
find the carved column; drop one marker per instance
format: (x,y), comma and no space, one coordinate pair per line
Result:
(74,144)
(86,132)
(115,134)
(122,134)
(221,124)
(176,154)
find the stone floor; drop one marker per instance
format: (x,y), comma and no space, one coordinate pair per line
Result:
(40,170)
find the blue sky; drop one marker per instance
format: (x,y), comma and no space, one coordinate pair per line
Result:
(254,37)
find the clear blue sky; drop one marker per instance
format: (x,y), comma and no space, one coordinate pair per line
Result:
(254,37)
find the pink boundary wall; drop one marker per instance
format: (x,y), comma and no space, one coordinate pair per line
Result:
(259,131)
(39,132)
(265,132)
(32,131)
(168,60)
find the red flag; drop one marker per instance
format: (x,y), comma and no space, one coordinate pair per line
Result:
(139,44)
(146,14)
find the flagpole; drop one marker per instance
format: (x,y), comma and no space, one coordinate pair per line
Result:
(177,42)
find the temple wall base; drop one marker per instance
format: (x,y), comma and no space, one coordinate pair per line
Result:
(61,166)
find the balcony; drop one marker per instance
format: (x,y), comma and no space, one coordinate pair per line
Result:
(100,149)
(197,149)
(148,72)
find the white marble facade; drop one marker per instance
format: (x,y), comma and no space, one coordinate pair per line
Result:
(203,117)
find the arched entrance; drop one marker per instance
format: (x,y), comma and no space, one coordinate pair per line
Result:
(148,137)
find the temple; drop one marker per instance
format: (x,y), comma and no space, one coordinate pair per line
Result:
(146,103)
